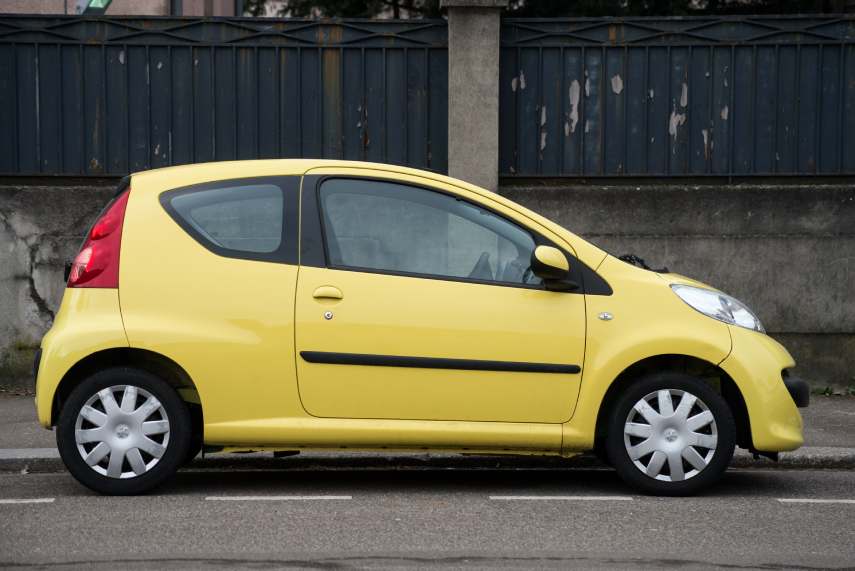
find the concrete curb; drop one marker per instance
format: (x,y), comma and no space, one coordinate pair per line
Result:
(807,457)
(44,460)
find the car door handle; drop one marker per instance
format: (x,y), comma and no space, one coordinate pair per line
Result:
(327,292)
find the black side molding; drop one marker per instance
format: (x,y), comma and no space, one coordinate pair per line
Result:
(435,363)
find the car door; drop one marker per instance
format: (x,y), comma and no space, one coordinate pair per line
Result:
(414,302)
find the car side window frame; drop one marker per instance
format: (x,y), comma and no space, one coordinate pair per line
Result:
(288,185)
(314,250)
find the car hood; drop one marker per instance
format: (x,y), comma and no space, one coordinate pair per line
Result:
(672,279)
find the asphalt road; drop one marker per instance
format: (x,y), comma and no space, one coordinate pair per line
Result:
(472,518)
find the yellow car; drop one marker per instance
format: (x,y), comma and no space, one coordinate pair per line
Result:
(294,305)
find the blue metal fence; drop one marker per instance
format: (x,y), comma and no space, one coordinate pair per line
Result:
(770,96)
(108,96)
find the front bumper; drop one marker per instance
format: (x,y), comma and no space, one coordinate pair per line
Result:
(758,365)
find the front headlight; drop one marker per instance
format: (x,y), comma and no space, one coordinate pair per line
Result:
(718,306)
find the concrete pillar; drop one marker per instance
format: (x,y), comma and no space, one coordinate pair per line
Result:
(473,90)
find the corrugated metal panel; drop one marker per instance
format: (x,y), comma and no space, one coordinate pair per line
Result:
(769,96)
(106,96)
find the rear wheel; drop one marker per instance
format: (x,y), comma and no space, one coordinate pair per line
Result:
(670,434)
(123,431)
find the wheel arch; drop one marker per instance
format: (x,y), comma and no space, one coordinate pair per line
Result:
(686,364)
(159,365)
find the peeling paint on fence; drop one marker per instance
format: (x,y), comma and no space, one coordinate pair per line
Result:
(617,84)
(706,135)
(574,106)
(543,133)
(518,82)
(674,122)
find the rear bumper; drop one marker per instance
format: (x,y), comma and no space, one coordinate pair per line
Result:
(88,321)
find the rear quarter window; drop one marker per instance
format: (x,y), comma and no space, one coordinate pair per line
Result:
(239,219)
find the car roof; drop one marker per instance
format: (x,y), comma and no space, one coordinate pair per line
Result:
(183,175)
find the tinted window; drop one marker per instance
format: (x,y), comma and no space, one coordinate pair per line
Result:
(392,227)
(245,218)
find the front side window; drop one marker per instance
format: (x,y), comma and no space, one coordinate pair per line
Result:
(241,218)
(398,228)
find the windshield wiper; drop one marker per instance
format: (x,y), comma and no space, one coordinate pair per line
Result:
(636,261)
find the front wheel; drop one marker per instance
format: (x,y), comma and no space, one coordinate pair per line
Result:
(123,431)
(670,434)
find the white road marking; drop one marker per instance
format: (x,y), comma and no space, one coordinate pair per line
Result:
(273,498)
(813,501)
(28,501)
(566,498)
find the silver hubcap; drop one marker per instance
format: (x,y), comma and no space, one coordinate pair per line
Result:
(670,435)
(124,437)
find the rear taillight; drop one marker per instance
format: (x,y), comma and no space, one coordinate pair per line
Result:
(97,263)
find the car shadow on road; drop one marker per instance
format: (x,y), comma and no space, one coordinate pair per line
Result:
(425,475)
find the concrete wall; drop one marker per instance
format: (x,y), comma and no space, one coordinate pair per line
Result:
(40,228)
(786,250)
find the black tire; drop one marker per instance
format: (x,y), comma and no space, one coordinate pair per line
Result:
(176,446)
(194,448)
(600,452)
(616,447)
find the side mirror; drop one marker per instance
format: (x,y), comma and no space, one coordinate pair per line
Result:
(551,265)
